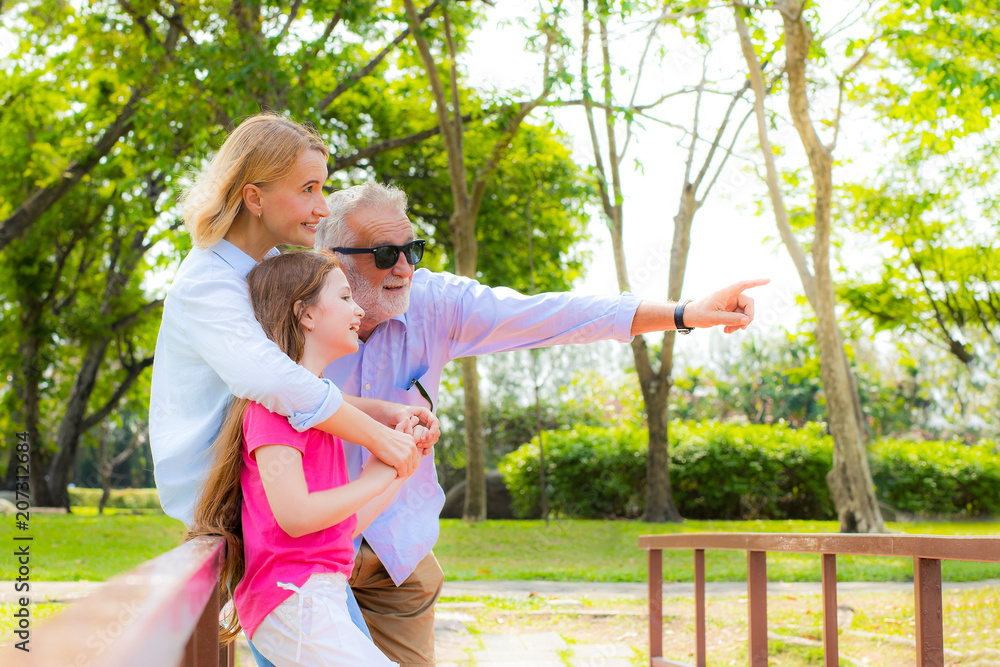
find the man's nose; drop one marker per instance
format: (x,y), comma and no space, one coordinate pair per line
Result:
(401,267)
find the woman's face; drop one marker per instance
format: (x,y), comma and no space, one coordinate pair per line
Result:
(335,318)
(292,207)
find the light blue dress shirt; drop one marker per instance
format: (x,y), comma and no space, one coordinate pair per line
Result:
(451,317)
(210,347)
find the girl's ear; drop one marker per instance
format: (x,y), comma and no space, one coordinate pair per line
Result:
(305,315)
(253,199)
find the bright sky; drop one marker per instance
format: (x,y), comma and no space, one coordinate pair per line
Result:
(728,238)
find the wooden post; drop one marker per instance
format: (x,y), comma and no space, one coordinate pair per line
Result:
(699,607)
(202,649)
(831,657)
(757,607)
(927,612)
(655,604)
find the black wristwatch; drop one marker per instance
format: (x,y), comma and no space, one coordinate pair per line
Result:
(679,317)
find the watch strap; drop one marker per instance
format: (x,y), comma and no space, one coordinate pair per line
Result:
(679,317)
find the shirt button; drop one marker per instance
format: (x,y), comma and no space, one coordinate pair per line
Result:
(368,386)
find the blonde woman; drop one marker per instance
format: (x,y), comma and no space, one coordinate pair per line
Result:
(262,189)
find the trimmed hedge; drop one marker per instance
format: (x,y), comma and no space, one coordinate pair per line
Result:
(724,471)
(589,471)
(938,478)
(133,499)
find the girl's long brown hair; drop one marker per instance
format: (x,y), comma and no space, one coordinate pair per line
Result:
(280,288)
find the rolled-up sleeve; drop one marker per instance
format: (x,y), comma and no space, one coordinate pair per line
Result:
(224,332)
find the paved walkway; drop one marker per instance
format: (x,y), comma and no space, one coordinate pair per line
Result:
(457,646)
(68,591)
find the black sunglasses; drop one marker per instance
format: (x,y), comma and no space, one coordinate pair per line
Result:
(387,255)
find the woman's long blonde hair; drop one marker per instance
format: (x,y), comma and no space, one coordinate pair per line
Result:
(280,288)
(263,149)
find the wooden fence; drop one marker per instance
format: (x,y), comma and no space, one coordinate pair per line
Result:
(927,553)
(163,613)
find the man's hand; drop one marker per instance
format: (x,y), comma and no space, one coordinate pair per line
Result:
(728,307)
(422,436)
(391,414)
(422,424)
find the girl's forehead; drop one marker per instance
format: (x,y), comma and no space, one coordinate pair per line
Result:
(336,278)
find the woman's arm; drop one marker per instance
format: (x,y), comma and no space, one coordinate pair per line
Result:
(299,512)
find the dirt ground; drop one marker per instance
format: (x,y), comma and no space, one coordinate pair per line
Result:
(874,628)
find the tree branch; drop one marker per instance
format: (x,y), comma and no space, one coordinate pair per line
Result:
(774,190)
(456,169)
(842,84)
(133,374)
(292,15)
(365,153)
(374,62)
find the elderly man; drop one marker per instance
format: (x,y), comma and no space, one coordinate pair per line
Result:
(415,322)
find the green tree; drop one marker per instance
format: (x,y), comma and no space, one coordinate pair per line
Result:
(850,479)
(702,167)
(470,180)
(107,109)
(933,203)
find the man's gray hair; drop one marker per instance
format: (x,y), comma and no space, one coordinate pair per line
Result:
(332,232)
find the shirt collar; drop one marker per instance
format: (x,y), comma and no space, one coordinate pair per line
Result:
(236,258)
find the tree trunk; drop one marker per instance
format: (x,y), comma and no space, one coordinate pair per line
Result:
(850,478)
(660,504)
(463,228)
(475,447)
(27,386)
(71,425)
(850,481)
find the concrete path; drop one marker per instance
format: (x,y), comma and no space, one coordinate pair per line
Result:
(456,646)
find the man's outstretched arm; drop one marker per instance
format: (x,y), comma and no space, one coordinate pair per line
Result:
(728,307)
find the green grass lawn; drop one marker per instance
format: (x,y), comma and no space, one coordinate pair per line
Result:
(607,551)
(84,546)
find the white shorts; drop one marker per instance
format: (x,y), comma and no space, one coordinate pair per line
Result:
(313,628)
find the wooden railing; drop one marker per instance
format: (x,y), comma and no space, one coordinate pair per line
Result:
(927,553)
(163,613)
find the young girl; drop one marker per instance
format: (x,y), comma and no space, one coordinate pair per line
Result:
(281,498)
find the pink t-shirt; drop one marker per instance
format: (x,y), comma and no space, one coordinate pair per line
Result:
(273,556)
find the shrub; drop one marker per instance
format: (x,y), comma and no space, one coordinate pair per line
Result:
(590,472)
(133,499)
(727,471)
(722,471)
(717,471)
(938,478)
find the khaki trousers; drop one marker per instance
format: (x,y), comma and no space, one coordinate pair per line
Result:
(401,619)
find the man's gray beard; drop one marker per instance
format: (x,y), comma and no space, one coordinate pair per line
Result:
(378,304)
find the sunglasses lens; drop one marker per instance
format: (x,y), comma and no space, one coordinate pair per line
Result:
(385,256)
(415,252)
